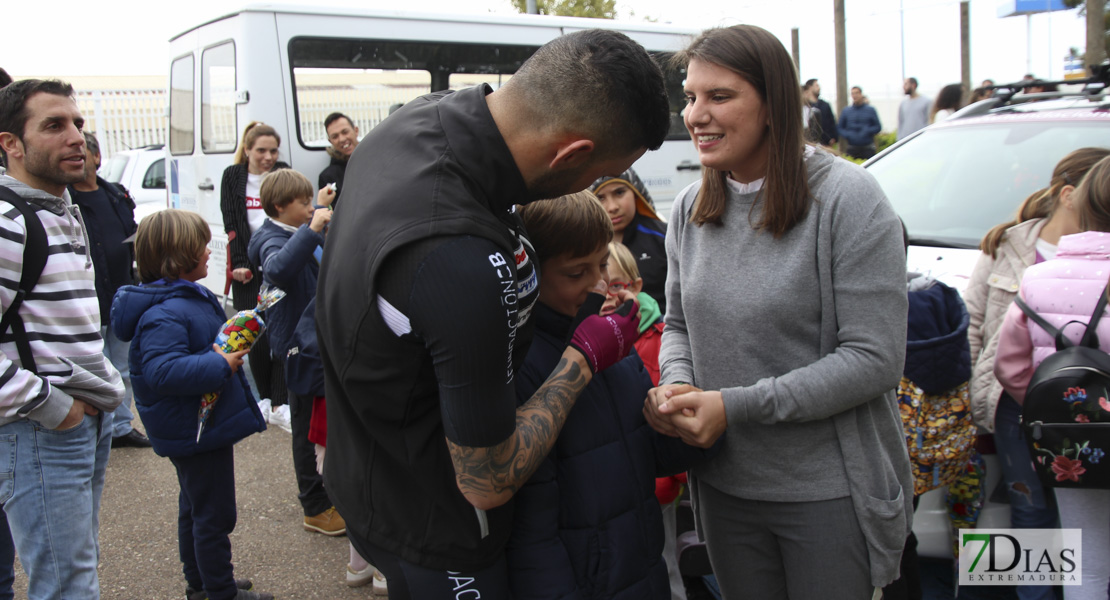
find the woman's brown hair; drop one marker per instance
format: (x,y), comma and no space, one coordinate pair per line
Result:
(1041,203)
(758,56)
(1092,198)
(170,243)
(253,131)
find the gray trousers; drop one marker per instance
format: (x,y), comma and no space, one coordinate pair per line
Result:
(784,550)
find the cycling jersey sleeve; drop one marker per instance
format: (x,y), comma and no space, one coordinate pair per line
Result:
(462,302)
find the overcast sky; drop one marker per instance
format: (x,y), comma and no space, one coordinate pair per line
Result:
(129,37)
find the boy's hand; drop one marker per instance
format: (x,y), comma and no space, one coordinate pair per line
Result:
(325,196)
(234,359)
(320,219)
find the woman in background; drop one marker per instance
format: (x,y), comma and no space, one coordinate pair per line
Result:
(241,206)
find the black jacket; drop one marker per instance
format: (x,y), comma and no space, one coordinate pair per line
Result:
(123,215)
(233,206)
(645,237)
(587,524)
(436,168)
(827,120)
(333,173)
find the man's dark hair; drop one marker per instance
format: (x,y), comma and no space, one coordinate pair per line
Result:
(5,79)
(91,143)
(856,87)
(13,103)
(809,84)
(597,83)
(335,116)
(912,80)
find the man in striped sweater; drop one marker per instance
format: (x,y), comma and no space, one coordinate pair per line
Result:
(55,432)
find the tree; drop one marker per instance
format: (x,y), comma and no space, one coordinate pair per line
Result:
(598,9)
(1082,6)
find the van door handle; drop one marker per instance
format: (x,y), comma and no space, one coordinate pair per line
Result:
(688,166)
(207,185)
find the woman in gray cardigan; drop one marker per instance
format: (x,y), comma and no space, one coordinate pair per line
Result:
(785,324)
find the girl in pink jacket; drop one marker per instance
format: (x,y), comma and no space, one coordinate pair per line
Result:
(1067,289)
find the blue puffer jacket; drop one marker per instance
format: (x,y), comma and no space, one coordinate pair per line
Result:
(171,327)
(859,124)
(287,262)
(587,524)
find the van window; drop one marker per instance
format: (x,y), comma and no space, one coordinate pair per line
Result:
(218,131)
(365,78)
(181,107)
(155,177)
(674,80)
(366,96)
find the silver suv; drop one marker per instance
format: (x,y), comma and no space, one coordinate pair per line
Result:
(143,172)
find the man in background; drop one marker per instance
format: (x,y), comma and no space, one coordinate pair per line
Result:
(343,136)
(913,113)
(825,121)
(109,215)
(859,124)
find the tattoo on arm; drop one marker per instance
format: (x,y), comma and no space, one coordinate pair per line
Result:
(492,475)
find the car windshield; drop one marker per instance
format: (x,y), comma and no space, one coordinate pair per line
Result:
(113,171)
(952,184)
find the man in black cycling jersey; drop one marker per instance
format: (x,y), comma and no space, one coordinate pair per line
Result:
(424,300)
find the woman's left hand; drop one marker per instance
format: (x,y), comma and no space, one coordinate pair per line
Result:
(698,417)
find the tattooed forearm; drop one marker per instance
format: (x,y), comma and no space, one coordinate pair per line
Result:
(488,477)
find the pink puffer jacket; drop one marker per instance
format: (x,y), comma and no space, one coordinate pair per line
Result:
(1064,289)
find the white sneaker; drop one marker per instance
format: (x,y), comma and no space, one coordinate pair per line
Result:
(379,584)
(365,576)
(280,417)
(264,408)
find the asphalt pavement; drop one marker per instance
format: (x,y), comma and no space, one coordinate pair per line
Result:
(138,529)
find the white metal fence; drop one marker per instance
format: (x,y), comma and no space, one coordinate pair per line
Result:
(366,105)
(124,119)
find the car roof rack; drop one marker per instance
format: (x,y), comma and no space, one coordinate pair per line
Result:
(1095,88)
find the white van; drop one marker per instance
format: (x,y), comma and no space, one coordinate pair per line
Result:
(291,66)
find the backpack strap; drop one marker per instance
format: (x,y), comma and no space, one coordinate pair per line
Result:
(1090,339)
(35,251)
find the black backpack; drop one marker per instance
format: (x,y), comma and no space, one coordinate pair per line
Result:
(1066,414)
(35,250)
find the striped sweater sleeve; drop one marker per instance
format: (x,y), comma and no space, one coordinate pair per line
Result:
(62,318)
(20,390)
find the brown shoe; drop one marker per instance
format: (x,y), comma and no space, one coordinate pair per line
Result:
(328,522)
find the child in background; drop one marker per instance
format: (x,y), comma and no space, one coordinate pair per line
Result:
(624,275)
(171,322)
(587,524)
(1008,249)
(1065,290)
(304,372)
(287,248)
(636,225)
